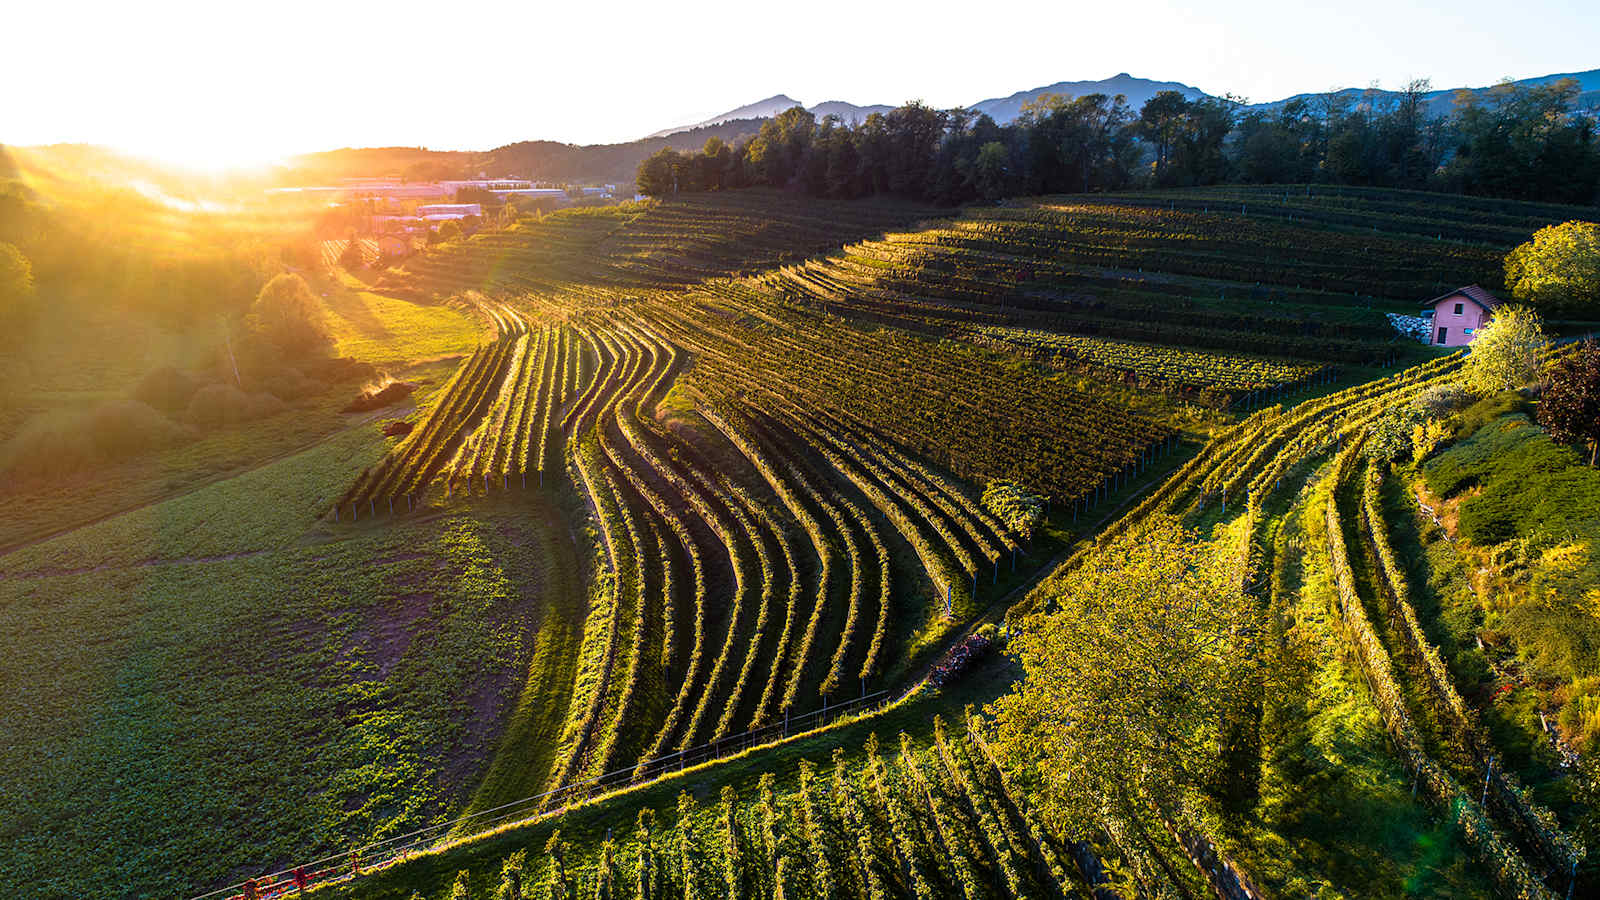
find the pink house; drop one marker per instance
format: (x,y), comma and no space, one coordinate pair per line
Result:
(1458,315)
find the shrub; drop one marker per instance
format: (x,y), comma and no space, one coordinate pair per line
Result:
(1505,354)
(290,317)
(1020,509)
(224,404)
(289,384)
(166,389)
(1490,408)
(1444,399)
(65,444)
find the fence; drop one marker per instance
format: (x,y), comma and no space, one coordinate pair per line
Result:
(378,855)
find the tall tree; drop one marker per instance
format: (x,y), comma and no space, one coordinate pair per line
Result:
(1161,120)
(1128,674)
(1558,270)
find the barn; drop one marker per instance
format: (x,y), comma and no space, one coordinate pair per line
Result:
(1459,315)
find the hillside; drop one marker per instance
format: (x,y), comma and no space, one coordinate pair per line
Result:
(724,464)
(1355,726)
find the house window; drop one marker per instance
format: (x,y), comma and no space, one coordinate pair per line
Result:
(1460,307)
(1442,333)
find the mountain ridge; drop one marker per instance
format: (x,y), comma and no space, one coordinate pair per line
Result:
(1137,90)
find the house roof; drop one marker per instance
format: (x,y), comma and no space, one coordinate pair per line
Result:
(1472,292)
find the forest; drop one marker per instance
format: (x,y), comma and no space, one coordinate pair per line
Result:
(1518,142)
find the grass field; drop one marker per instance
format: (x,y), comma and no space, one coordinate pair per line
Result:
(406,340)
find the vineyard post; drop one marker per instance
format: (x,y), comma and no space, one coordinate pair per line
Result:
(391,504)
(372,504)
(336,512)
(355,511)
(1487,772)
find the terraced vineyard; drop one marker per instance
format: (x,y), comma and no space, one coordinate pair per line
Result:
(1239,486)
(1231,272)
(785,509)
(779,499)
(940,820)
(649,245)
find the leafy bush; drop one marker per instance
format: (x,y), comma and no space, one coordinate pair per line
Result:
(289,384)
(60,445)
(1538,508)
(1443,399)
(166,389)
(1505,354)
(1490,408)
(290,317)
(224,404)
(1020,509)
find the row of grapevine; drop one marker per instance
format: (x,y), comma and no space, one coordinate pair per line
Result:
(1559,851)
(924,822)
(1475,826)
(1176,366)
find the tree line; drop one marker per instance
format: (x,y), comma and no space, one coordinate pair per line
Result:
(1512,141)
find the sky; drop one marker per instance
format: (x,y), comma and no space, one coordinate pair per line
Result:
(214,84)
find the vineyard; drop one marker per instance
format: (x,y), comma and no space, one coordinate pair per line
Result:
(774,428)
(938,820)
(945,821)
(1173,365)
(1219,277)
(333,251)
(721,602)
(1242,482)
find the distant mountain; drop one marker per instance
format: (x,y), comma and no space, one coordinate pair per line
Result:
(761,109)
(769,108)
(849,113)
(1440,102)
(1136,90)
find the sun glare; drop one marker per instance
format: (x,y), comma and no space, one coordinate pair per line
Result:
(209,157)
